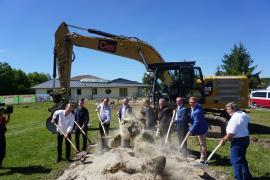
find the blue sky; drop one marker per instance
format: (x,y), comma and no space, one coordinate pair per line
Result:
(180,30)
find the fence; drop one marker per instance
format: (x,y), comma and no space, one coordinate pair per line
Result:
(18,99)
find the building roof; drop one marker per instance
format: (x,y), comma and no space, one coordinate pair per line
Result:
(119,82)
(124,81)
(88,76)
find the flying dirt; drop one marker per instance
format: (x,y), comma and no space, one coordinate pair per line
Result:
(138,154)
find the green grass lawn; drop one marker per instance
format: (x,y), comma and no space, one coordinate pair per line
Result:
(31,148)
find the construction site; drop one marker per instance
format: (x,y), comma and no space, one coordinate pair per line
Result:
(165,107)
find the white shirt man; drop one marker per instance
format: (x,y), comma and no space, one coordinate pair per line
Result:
(64,127)
(104,111)
(238,124)
(65,122)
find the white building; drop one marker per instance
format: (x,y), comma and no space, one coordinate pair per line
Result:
(91,87)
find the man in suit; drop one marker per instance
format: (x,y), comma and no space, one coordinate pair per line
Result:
(199,127)
(148,115)
(181,120)
(164,118)
(82,118)
(124,109)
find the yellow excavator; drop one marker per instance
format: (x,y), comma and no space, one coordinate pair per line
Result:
(167,79)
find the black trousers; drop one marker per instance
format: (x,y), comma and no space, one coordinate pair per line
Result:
(182,130)
(163,134)
(77,139)
(104,141)
(59,146)
(2,148)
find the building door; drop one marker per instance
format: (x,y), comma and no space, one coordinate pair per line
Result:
(123,92)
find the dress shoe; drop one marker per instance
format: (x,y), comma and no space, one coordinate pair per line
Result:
(69,160)
(58,160)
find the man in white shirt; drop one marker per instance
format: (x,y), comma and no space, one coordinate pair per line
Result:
(104,111)
(237,133)
(64,127)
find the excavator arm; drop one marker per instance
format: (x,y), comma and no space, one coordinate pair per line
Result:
(128,47)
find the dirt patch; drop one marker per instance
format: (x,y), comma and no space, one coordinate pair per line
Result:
(262,142)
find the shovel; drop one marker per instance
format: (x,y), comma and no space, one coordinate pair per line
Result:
(119,120)
(168,132)
(106,136)
(158,130)
(90,142)
(213,152)
(82,154)
(183,142)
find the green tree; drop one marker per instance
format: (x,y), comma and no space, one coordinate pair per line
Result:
(265,82)
(7,77)
(238,62)
(13,81)
(21,82)
(146,80)
(37,78)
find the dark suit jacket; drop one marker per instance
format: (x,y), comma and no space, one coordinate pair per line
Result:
(127,110)
(182,116)
(164,118)
(82,117)
(150,118)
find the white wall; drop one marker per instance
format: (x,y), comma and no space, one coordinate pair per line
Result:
(87,92)
(41,91)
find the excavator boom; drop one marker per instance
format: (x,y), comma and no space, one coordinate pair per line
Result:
(128,47)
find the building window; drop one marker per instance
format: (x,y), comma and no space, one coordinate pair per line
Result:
(94,91)
(259,94)
(49,91)
(108,91)
(79,92)
(123,92)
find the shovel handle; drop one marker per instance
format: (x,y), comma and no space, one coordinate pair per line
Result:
(213,152)
(168,132)
(83,132)
(102,125)
(65,135)
(183,142)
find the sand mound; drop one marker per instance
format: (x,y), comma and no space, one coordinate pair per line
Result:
(148,159)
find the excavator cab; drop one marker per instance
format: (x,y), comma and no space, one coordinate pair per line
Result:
(186,80)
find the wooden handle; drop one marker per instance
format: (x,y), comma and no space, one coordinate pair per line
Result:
(171,122)
(102,125)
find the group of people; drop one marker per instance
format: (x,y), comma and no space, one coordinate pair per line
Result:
(181,117)
(236,132)
(65,121)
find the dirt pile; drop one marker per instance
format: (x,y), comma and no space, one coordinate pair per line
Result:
(147,159)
